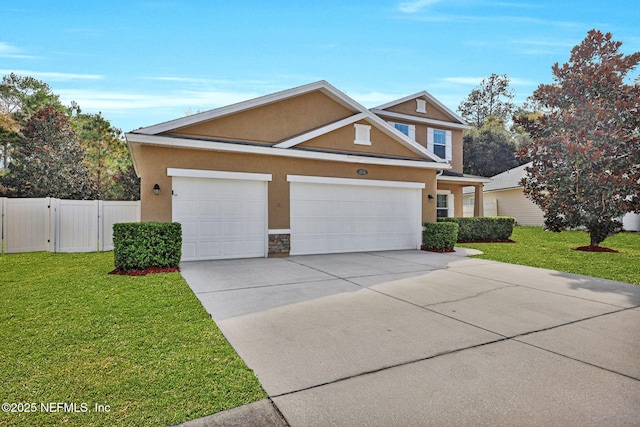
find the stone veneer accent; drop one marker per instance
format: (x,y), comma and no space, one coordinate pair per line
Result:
(279,243)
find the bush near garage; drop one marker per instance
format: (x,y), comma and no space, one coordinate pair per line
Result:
(483,229)
(141,245)
(439,236)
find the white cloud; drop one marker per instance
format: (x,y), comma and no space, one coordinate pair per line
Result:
(111,101)
(463,80)
(416,5)
(52,76)
(9,51)
(373,99)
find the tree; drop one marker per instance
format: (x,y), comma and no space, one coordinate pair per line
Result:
(106,153)
(585,144)
(20,97)
(492,98)
(49,160)
(489,150)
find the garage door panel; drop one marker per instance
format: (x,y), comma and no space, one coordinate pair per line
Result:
(221,218)
(333,218)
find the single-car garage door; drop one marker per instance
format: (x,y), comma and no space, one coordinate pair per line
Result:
(221,217)
(333,215)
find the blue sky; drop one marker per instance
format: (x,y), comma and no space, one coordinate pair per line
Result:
(144,62)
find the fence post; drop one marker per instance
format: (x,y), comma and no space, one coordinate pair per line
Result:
(2,203)
(100,226)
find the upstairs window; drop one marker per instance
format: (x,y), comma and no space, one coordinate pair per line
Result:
(439,143)
(409,130)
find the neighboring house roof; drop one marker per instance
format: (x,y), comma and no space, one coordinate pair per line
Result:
(160,134)
(456,121)
(462,178)
(508,179)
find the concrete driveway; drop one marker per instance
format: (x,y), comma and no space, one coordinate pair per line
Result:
(418,338)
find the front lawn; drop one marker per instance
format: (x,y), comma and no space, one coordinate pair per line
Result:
(538,248)
(73,337)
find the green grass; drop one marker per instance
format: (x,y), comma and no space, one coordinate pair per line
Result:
(538,248)
(144,346)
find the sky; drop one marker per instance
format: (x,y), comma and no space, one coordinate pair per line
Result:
(142,62)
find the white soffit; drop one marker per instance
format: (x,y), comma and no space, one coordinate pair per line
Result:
(180,142)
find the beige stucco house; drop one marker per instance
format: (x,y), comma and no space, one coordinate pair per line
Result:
(302,171)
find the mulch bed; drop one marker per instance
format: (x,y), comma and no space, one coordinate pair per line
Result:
(436,250)
(592,248)
(150,270)
(487,241)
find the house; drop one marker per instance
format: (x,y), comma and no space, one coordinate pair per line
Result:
(303,171)
(504,196)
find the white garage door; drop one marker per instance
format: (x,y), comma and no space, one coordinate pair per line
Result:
(330,215)
(221,218)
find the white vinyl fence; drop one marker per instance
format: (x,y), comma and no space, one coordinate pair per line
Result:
(55,225)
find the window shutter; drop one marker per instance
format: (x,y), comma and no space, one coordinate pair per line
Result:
(412,132)
(450,207)
(430,139)
(448,149)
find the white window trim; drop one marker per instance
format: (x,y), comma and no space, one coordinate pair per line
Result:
(363,134)
(450,202)
(412,129)
(351,181)
(448,142)
(201,173)
(421,105)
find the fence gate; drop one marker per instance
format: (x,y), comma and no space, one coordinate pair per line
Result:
(54,225)
(25,225)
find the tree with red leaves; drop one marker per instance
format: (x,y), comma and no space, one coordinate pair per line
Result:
(585,144)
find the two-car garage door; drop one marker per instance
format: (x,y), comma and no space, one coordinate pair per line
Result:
(333,215)
(224,215)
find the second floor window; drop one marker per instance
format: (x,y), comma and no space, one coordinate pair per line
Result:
(440,143)
(409,130)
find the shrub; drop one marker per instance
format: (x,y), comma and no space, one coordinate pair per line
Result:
(439,235)
(483,228)
(140,245)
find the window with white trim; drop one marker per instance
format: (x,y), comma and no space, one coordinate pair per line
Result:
(439,142)
(363,134)
(409,130)
(444,204)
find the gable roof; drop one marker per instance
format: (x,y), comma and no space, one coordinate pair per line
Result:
(456,120)
(155,133)
(508,179)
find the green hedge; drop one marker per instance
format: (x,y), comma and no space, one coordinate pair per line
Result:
(483,228)
(439,235)
(140,245)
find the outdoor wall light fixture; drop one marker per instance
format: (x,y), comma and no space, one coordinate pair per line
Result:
(430,197)
(156,190)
